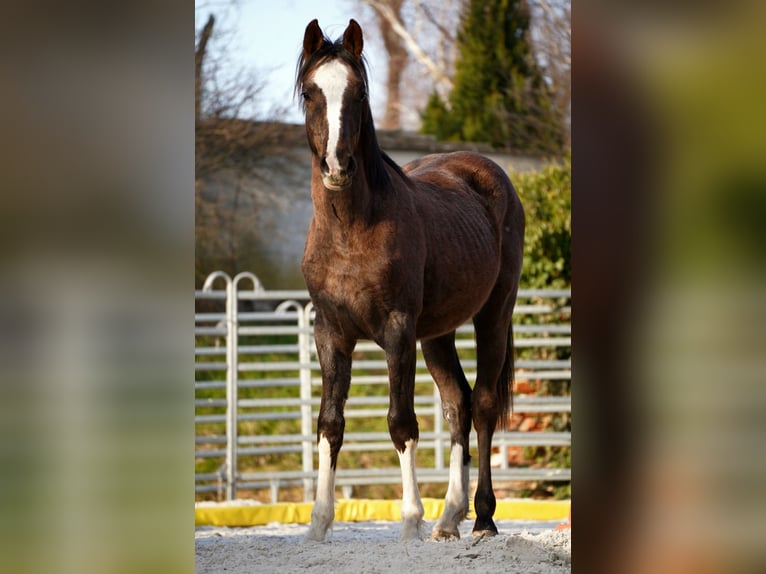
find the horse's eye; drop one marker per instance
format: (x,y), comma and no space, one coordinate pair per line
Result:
(306,96)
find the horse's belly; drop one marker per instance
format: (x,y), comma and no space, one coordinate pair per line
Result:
(461,267)
(450,301)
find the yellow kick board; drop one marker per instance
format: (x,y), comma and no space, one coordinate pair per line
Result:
(366,510)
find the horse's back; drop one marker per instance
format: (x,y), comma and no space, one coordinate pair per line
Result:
(473,175)
(465,170)
(468,165)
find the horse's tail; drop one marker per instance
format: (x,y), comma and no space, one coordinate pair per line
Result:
(505,383)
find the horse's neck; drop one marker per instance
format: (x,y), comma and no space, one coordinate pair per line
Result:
(339,210)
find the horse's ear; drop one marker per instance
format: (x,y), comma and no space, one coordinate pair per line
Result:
(352,39)
(312,39)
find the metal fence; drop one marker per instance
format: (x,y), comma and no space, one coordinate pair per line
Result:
(258,388)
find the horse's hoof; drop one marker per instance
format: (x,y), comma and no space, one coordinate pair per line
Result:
(484,529)
(479,534)
(411,531)
(318,535)
(441,534)
(313,539)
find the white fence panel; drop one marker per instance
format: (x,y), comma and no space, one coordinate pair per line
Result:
(258,389)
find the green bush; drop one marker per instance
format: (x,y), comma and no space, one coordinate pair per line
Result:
(547,199)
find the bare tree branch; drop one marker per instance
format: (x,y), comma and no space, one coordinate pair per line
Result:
(552,38)
(397,62)
(437,73)
(228,145)
(557,26)
(448,35)
(199,58)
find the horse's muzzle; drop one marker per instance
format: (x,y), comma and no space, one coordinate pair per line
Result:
(337,178)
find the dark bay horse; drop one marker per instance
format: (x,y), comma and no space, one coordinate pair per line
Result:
(400,254)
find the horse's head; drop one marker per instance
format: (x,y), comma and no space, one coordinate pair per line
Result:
(333,84)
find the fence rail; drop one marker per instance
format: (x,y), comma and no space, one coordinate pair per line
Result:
(258,389)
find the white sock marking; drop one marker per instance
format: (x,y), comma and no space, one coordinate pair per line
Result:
(324,506)
(457,489)
(412,507)
(456,499)
(332,79)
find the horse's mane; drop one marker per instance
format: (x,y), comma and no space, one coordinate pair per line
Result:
(378,177)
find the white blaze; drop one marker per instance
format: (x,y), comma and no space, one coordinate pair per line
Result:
(332,79)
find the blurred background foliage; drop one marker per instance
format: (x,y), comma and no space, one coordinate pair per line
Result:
(547,199)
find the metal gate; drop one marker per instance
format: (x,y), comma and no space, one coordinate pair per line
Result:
(258,388)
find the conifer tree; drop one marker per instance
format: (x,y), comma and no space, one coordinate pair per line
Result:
(499,94)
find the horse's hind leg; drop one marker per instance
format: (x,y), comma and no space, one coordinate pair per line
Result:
(491,394)
(444,366)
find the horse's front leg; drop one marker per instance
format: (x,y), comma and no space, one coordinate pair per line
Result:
(399,344)
(335,360)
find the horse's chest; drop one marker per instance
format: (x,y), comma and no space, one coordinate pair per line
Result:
(351,305)
(351,286)
(346,279)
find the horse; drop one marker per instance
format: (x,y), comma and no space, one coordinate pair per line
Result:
(399,254)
